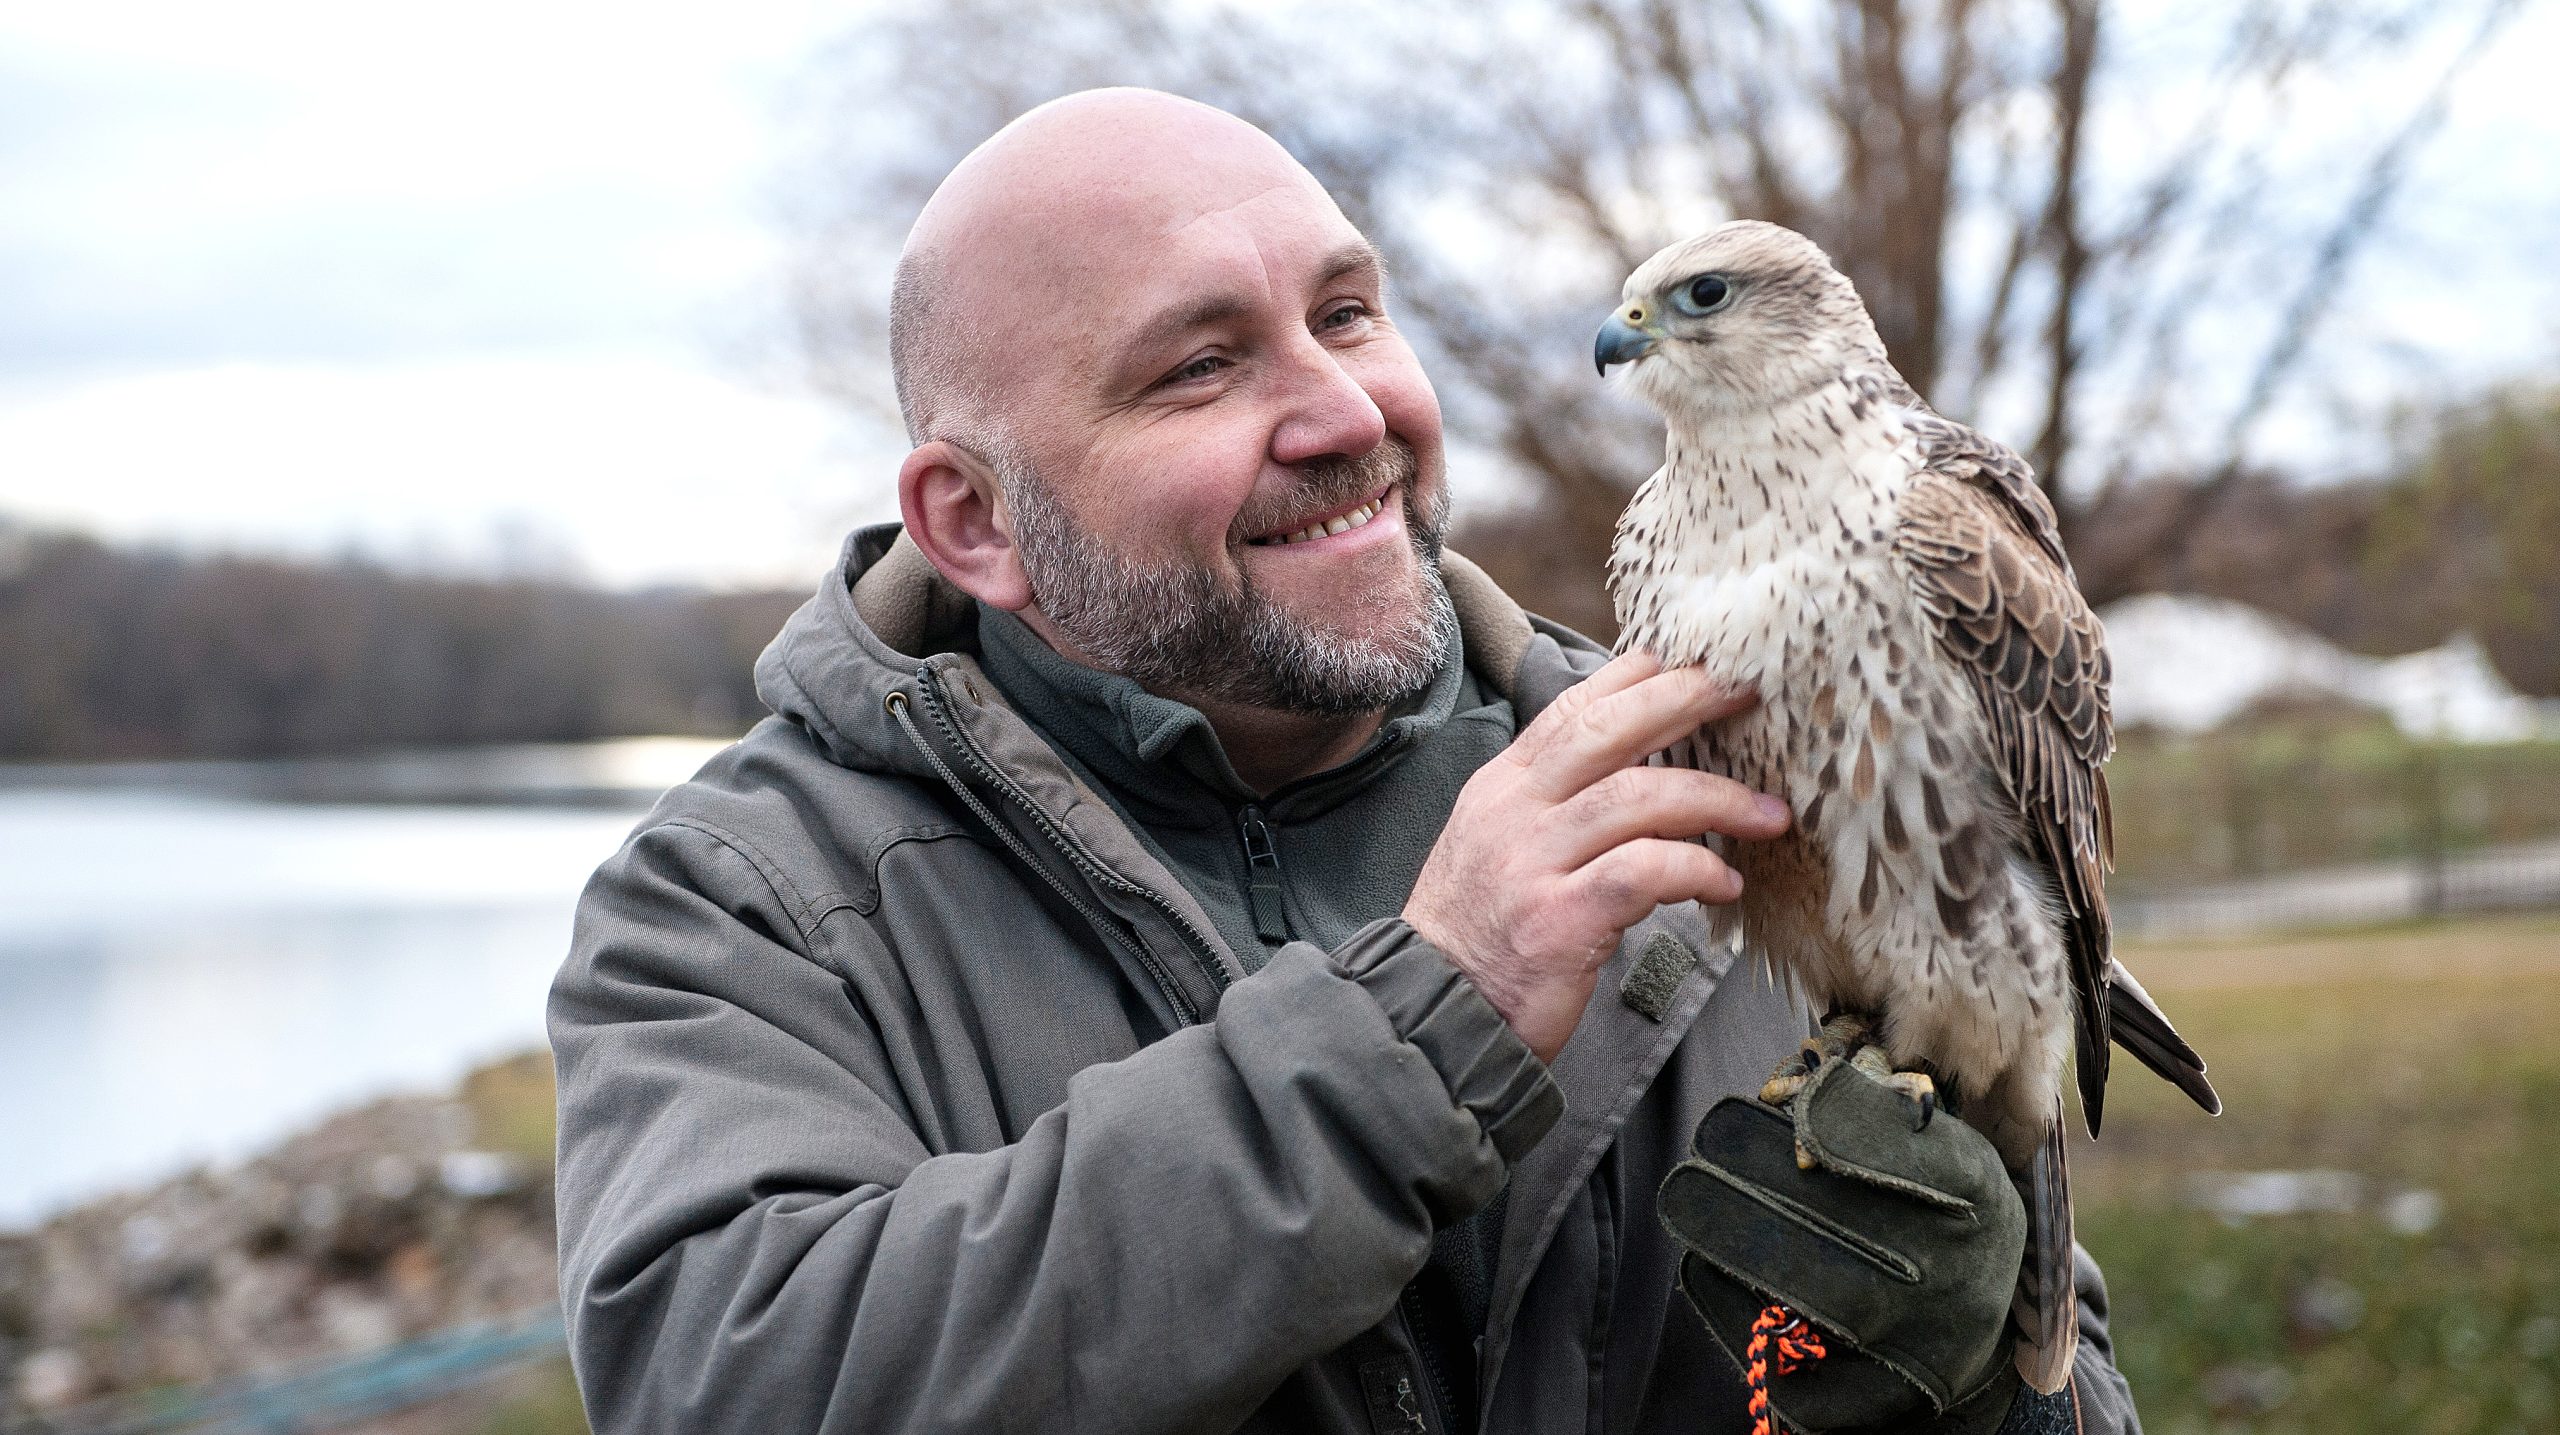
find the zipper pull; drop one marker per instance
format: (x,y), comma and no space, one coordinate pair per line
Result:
(1262,860)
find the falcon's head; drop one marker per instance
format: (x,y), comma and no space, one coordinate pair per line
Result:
(1742,317)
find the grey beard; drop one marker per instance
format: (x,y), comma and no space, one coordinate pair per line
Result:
(1179,631)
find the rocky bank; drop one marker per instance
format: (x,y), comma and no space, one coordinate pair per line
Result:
(382,1224)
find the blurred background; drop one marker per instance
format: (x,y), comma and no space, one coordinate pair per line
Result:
(413,423)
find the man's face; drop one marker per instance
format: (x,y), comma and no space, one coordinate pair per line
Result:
(1224,464)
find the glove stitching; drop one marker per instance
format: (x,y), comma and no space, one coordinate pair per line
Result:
(1892,1263)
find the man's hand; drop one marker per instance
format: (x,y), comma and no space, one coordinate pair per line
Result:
(1901,1244)
(1563,842)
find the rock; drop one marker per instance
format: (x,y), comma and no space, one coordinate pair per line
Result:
(354,1320)
(2252,1388)
(2323,1308)
(394,1177)
(52,1378)
(2413,1212)
(478,1175)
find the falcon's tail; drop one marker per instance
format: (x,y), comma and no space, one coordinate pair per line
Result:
(2134,1020)
(2046,1309)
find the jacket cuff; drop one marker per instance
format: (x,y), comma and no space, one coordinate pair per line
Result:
(1490,1071)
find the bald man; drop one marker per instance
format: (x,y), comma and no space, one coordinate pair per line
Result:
(1186,953)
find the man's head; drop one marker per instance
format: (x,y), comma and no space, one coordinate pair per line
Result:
(1153,389)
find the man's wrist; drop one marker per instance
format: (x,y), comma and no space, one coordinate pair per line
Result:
(1490,1070)
(1538,1018)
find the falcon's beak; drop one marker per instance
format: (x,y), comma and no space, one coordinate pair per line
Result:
(1621,340)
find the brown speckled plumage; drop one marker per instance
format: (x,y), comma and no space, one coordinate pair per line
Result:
(1934,705)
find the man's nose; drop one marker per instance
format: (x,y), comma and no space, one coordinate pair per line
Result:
(1327,411)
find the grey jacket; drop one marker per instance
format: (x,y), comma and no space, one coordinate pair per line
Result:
(902,1089)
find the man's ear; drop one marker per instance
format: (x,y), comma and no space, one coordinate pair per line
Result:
(954,510)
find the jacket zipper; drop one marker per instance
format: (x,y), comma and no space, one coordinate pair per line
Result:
(1262,867)
(1444,1402)
(1067,845)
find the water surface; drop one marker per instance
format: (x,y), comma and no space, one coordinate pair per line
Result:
(188,973)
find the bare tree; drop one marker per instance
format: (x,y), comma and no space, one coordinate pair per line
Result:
(2069,227)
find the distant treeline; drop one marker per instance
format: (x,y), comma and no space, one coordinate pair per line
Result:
(113,653)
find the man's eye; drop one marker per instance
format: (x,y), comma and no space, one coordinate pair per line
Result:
(1345,314)
(1199,368)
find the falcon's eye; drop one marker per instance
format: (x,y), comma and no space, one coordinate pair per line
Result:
(1703,295)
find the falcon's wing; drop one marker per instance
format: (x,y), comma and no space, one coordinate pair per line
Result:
(1984,555)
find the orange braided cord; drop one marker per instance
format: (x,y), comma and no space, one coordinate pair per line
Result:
(1799,1344)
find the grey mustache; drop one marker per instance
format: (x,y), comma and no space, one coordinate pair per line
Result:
(1329,483)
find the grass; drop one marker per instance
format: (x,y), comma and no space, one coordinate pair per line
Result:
(2421,1058)
(540,1401)
(513,1108)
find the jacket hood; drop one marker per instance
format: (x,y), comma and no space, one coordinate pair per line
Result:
(883,615)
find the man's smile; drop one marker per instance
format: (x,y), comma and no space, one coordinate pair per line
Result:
(1328,525)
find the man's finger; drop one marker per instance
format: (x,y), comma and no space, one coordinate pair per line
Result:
(1614,676)
(1672,802)
(1631,879)
(1623,728)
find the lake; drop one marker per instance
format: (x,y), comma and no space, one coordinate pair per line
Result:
(197,959)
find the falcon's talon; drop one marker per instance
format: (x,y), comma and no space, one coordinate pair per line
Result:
(1804,1159)
(1782,1088)
(1919,1090)
(1793,1072)
(1842,1038)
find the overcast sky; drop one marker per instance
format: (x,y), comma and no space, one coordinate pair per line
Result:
(458,282)
(480,282)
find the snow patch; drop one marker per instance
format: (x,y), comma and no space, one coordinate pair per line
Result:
(2189,663)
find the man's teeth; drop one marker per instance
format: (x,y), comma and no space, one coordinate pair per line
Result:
(1331,526)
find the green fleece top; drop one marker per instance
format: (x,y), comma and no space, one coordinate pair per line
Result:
(1337,851)
(1343,846)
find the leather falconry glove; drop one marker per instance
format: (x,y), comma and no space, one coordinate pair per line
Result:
(1901,1245)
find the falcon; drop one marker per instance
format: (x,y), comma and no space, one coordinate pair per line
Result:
(1933,708)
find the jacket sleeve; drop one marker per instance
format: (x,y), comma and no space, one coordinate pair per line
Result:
(754,1236)
(2106,1402)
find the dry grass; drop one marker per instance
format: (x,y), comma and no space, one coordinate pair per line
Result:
(2421,1058)
(513,1107)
